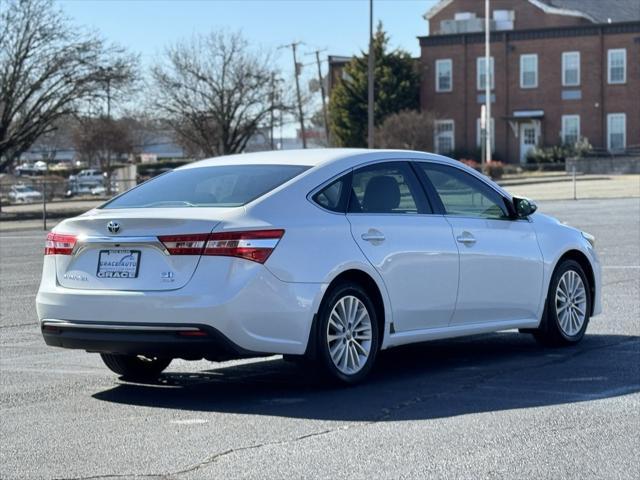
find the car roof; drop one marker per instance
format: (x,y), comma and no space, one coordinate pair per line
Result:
(312,157)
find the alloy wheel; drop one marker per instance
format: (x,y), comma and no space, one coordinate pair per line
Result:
(349,335)
(571,303)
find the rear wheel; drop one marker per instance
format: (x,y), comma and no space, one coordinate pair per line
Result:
(135,367)
(347,339)
(568,307)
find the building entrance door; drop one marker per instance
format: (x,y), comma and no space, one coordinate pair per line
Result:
(528,139)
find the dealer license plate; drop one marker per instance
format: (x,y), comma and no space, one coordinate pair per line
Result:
(118,263)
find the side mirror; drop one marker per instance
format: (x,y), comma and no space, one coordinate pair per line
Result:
(524,207)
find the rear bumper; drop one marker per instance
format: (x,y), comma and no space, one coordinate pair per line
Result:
(248,306)
(191,342)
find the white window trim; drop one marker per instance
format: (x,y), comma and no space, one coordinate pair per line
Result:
(610,117)
(492,126)
(565,119)
(522,59)
(490,73)
(453,134)
(565,55)
(439,62)
(610,53)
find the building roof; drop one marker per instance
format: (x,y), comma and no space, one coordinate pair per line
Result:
(600,11)
(597,11)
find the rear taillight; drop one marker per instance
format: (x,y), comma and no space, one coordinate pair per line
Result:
(184,244)
(59,244)
(254,245)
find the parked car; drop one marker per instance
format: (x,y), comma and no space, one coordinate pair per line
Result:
(74,190)
(91,177)
(101,190)
(325,256)
(24,194)
(26,168)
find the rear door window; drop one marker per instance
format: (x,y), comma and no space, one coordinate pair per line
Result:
(389,187)
(217,186)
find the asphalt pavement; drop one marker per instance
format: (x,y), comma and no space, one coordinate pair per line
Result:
(490,406)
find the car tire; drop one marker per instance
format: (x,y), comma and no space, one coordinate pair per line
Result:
(133,367)
(568,307)
(347,337)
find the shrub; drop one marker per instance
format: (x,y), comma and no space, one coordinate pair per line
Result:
(559,153)
(494,169)
(469,162)
(408,129)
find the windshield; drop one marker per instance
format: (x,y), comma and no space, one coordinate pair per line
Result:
(219,186)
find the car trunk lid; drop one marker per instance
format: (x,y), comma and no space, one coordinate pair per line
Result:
(121,249)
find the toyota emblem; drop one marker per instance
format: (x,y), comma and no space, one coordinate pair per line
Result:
(113,227)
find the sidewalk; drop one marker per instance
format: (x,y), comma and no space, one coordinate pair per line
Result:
(587,186)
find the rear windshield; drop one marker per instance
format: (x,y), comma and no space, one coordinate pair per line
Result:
(219,186)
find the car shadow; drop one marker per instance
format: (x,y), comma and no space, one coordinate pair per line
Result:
(433,380)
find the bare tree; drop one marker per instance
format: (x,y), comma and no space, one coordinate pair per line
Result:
(215,91)
(409,130)
(48,69)
(54,141)
(101,140)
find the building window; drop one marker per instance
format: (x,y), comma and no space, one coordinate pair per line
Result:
(616,131)
(571,69)
(444,73)
(492,127)
(529,71)
(443,140)
(481,77)
(570,129)
(617,63)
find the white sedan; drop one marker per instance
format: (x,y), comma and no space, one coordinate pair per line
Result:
(24,194)
(326,256)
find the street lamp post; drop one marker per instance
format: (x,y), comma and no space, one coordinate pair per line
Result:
(487,84)
(370,79)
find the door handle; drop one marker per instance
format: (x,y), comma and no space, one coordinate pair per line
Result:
(373,236)
(466,238)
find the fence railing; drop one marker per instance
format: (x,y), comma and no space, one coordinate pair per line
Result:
(44,198)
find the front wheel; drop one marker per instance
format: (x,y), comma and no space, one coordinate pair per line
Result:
(135,367)
(347,334)
(568,307)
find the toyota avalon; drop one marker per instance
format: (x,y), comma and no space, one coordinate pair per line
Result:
(325,256)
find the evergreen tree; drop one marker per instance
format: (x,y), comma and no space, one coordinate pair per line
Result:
(396,87)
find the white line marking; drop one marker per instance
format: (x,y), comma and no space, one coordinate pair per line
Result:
(190,421)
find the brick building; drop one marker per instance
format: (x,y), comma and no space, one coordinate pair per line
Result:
(562,69)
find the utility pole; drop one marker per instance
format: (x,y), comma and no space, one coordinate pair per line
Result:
(487,90)
(108,185)
(370,79)
(271,113)
(322,93)
(293,46)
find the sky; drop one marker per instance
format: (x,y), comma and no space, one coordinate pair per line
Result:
(339,27)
